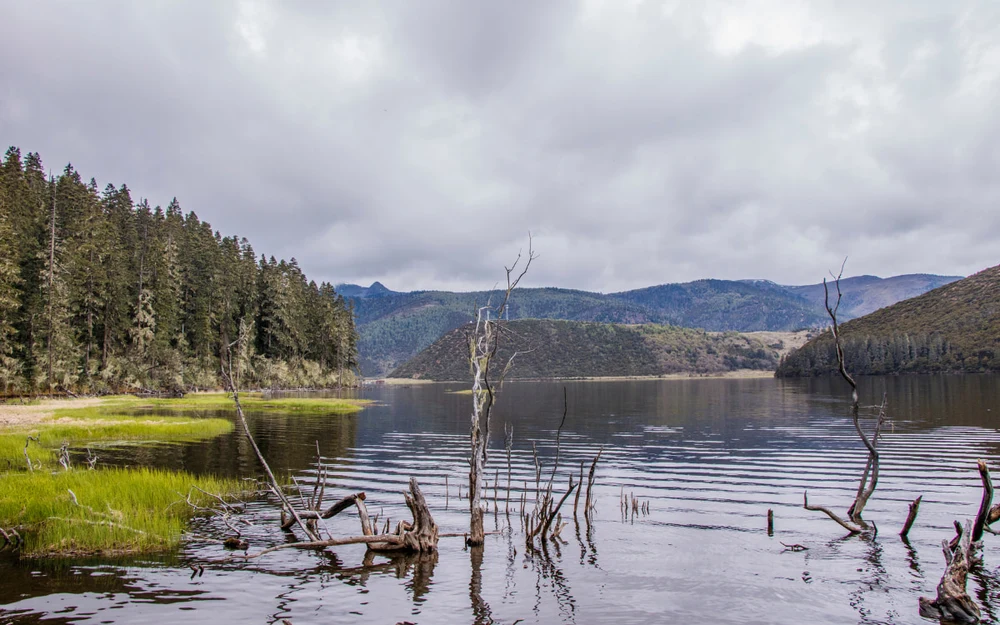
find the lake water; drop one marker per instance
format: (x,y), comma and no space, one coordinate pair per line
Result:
(709,456)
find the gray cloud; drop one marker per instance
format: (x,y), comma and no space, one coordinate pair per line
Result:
(640,142)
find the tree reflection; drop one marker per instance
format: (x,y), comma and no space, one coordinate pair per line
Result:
(480,608)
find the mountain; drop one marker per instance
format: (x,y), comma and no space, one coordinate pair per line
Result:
(953,328)
(393,326)
(866,294)
(554,348)
(377,289)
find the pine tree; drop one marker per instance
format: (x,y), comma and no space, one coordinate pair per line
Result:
(10,299)
(54,349)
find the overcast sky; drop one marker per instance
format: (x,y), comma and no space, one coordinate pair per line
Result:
(418,142)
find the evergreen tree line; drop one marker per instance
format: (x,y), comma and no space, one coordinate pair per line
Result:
(897,353)
(99,293)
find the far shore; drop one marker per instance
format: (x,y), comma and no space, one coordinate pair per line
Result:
(738,374)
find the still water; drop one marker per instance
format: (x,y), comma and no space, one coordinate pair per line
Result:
(709,456)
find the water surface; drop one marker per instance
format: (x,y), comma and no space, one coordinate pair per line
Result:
(709,456)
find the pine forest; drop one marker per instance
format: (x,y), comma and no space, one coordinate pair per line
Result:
(102,293)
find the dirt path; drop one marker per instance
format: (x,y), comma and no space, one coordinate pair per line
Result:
(14,415)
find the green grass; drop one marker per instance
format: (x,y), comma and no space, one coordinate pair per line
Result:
(136,510)
(119,510)
(251,402)
(82,427)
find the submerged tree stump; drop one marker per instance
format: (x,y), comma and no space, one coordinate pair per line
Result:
(953,604)
(420,536)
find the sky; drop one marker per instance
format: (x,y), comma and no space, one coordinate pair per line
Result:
(418,143)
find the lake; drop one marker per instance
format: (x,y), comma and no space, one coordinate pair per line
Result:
(708,456)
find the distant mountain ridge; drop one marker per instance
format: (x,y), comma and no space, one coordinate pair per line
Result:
(866,294)
(953,328)
(393,326)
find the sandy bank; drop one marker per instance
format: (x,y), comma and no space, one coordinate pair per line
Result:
(15,414)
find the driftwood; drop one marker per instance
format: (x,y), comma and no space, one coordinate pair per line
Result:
(289,522)
(964,551)
(953,604)
(11,540)
(420,536)
(986,516)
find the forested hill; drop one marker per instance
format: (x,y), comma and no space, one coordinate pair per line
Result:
(394,326)
(954,328)
(99,292)
(551,348)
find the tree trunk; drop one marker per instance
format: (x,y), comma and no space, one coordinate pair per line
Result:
(476,533)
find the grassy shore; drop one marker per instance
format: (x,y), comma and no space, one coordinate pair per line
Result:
(105,511)
(113,510)
(251,402)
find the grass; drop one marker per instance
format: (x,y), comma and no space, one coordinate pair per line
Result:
(252,402)
(118,511)
(134,510)
(81,427)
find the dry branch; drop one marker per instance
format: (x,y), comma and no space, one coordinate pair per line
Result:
(330,512)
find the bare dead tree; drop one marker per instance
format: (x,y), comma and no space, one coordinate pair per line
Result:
(483,345)
(854,523)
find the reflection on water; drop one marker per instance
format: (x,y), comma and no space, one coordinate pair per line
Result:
(710,457)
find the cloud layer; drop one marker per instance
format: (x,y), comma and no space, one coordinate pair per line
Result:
(418,143)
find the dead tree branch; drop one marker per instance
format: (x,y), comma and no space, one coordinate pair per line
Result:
(854,522)
(275,486)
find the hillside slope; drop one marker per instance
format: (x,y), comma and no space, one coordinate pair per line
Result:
(952,328)
(555,348)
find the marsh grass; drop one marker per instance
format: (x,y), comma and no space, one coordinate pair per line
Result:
(252,402)
(120,510)
(87,427)
(137,510)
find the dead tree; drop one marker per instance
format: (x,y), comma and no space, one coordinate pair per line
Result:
(483,345)
(854,523)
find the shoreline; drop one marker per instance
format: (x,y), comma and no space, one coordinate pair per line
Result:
(15,415)
(739,374)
